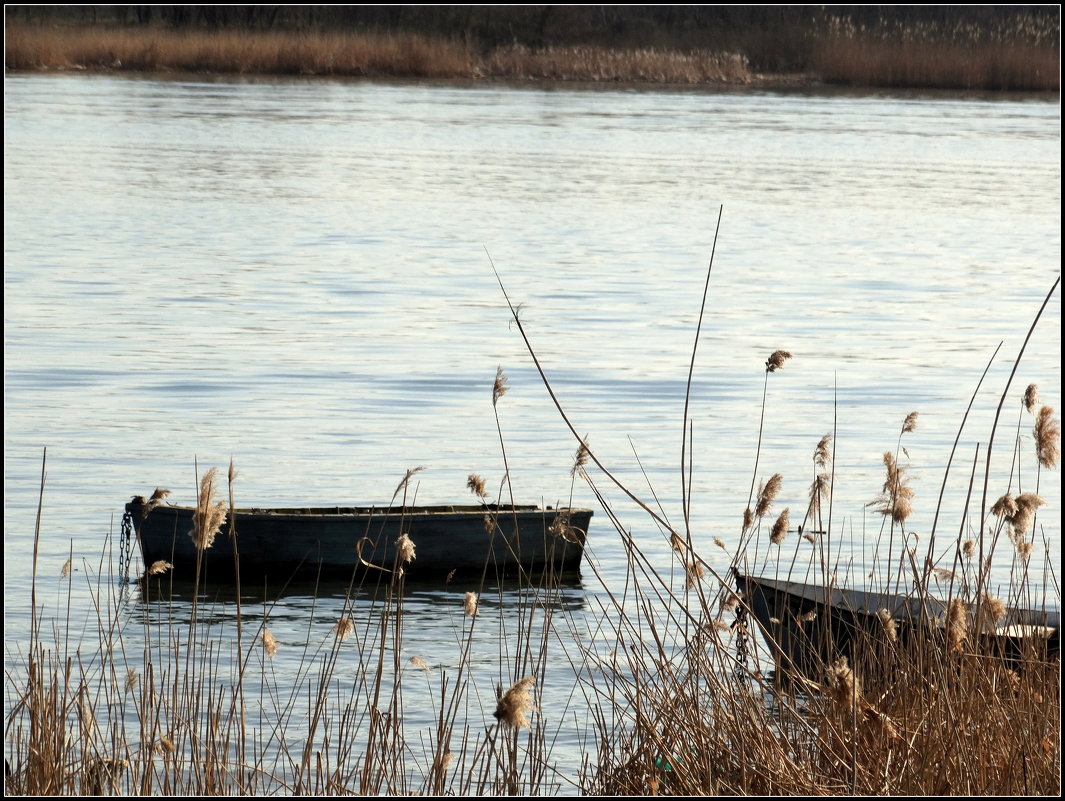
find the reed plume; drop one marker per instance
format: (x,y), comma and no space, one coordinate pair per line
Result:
(957,624)
(823,452)
(469,604)
(1031,397)
(158,567)
(818,494)
(515,702)
(992,610)
(776,360)
(1047,434)
(562,527)
(418,662)
(269,644)
(694,573)
(896,496)
(780,528)
(888,623)
(676,543)
(475,484)
(748,518)
(405,548)
(65,571)
(1004,507)
(210,513)
(843,686)
(767,494)
(343,628)
(499,387)
(405,481)
(580,458)
(157,498)
(1027,504)
(910,423)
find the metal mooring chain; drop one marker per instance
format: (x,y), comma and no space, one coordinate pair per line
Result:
(743,670)
(125,546)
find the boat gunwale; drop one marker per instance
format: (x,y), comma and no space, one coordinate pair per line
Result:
(443,510)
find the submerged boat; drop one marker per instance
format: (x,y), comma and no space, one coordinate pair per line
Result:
(809,626)
(337,542)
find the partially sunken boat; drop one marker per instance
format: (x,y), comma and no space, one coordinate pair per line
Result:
(809,626)
(337,542)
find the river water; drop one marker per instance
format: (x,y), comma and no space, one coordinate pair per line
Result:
(298,275)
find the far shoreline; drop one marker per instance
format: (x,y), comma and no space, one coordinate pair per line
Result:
(410,56)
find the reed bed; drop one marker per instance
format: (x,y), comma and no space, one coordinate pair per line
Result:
(1018,53)
(261,53)
(682,690)
(1022,54)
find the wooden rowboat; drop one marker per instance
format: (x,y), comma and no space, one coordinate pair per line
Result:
(337,542)
(809,626)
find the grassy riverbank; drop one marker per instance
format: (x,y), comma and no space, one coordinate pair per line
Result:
(1011,52)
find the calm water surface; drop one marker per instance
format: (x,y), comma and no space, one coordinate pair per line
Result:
(294,275)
